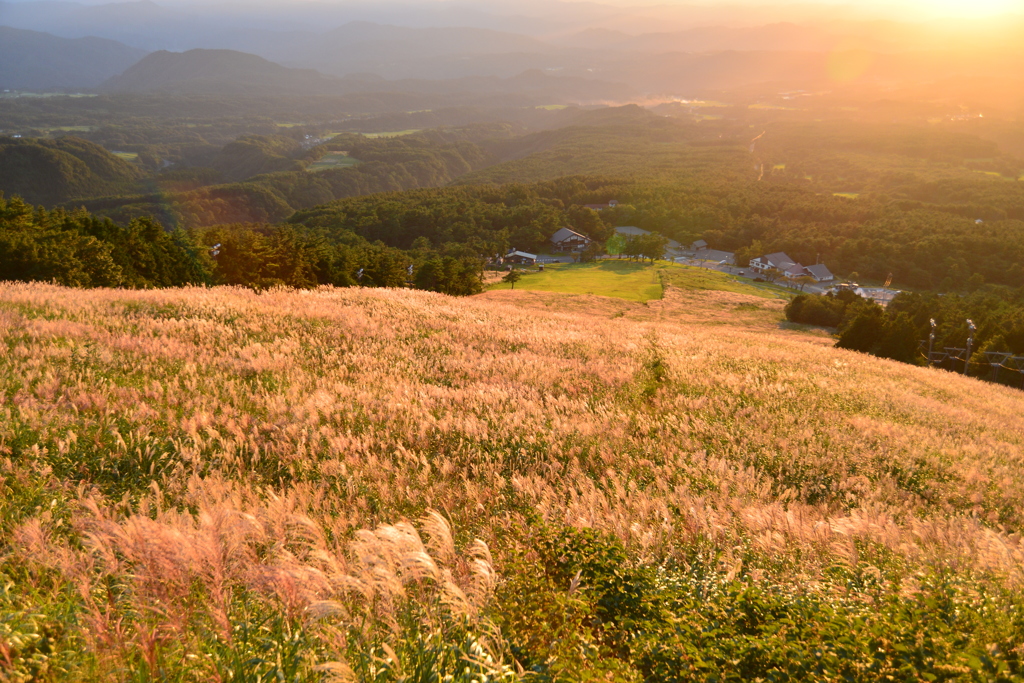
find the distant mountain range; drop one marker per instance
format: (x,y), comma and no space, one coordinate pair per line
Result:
(208,72)
(216,72)
(400,52)
(152,26)
(578,52)
(39,61)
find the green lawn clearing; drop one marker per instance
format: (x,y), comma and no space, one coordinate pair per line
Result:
(68,129)
(332,160)
(127,156)
(620,279)
(635,281)
(694,277)
(392,134)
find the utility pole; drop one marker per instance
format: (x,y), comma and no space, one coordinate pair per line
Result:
(931,343)
(970,343)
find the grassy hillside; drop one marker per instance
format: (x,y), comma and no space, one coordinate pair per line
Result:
(382,485)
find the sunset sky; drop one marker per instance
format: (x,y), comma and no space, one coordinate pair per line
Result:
(922,9)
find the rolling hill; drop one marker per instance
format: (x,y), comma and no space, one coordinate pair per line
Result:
(226,72)
(255,155)
(54,171)
(40,61)
(215,72)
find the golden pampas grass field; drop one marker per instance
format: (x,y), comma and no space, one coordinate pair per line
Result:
(369,484)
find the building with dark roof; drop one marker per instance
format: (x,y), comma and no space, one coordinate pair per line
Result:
(569,240)
(820,273)
(716,256)
(780,261)
(520,258)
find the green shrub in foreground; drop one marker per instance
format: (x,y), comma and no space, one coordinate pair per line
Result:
(582,610)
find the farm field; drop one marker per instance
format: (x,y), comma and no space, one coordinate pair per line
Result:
(631,280)
(366,484)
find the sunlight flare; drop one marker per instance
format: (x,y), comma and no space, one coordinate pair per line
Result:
(970,8)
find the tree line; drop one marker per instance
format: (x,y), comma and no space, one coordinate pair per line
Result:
(900,330)
(78,249)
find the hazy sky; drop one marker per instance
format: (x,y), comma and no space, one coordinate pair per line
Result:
(923,10)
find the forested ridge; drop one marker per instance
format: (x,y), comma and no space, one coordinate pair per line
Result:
(276,182)
(936,210)
(55,171)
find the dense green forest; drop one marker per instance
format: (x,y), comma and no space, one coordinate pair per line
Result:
(276,181)
(55,171)
(190,130)
(935,208)
(81,250)
(926,246)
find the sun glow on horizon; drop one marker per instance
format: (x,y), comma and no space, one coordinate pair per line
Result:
(921,9)
(967,8)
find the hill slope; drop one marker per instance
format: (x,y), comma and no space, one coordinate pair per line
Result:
(40,61)
(51,172)
(662,487)
(215,72)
